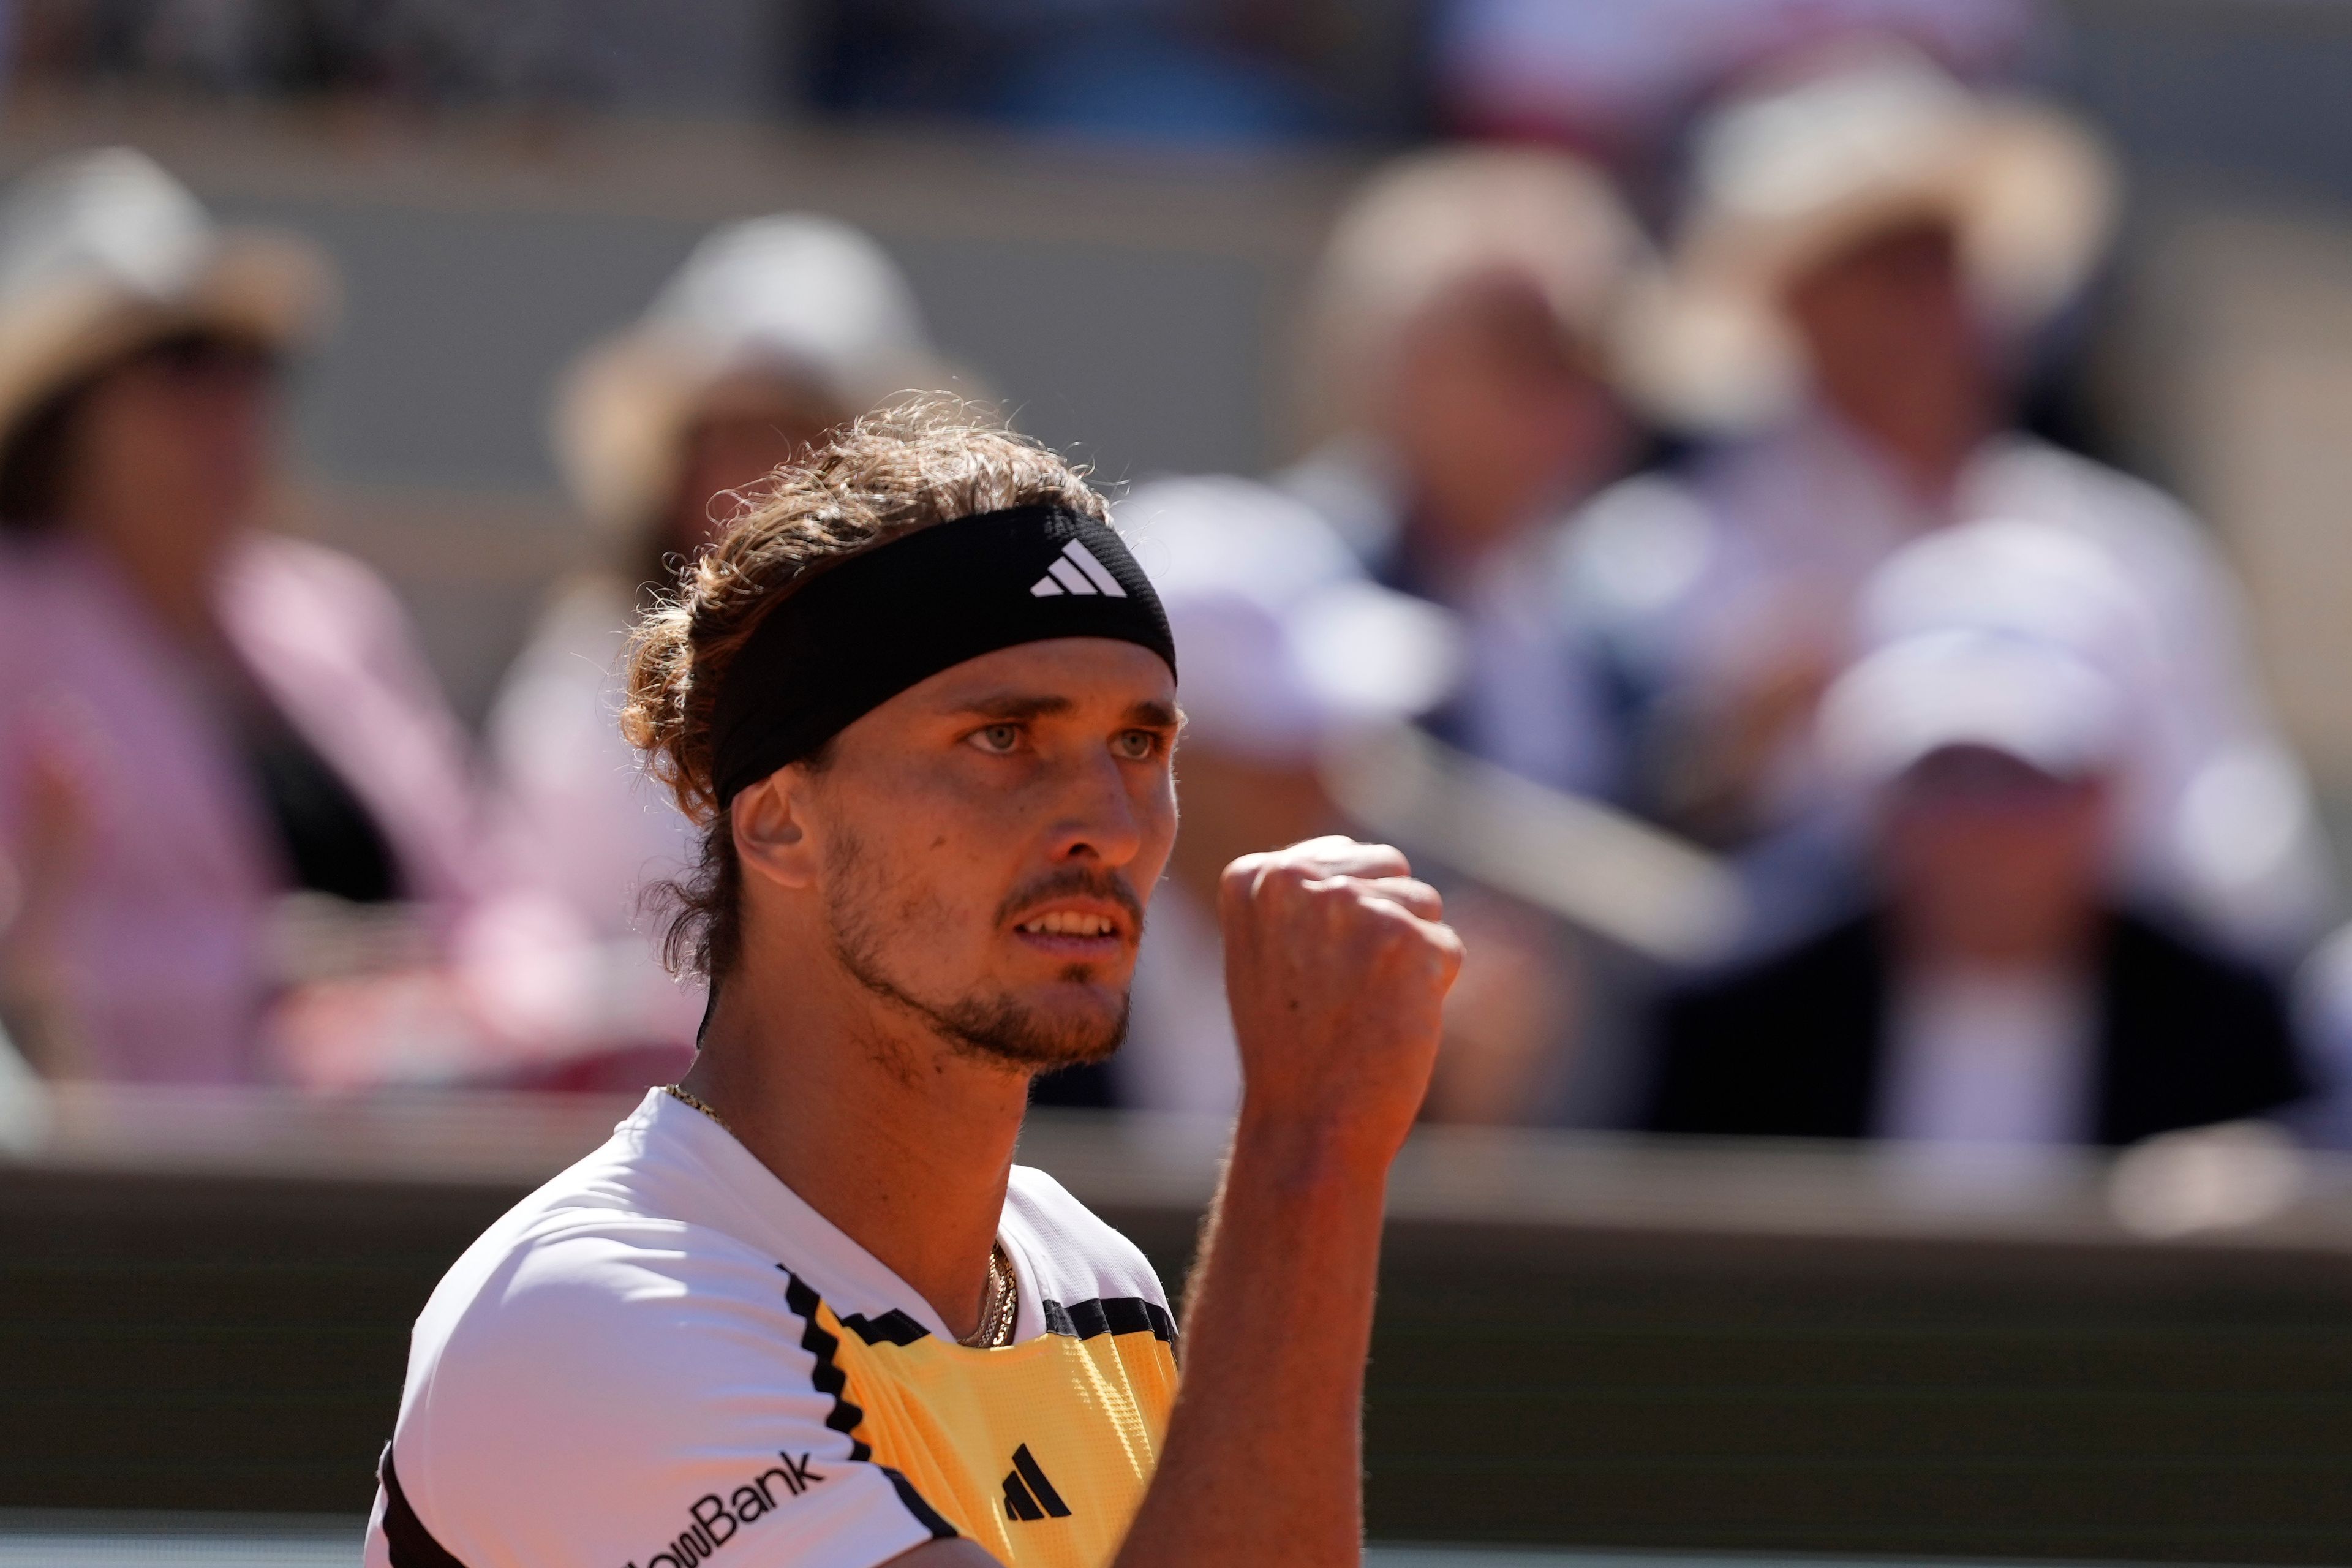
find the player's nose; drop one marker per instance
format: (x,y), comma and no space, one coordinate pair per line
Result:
(1098,818)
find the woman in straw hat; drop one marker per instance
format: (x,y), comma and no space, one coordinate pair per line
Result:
(1464,386)
(774,331)
(1460,380)
(1869,250)
(201,726)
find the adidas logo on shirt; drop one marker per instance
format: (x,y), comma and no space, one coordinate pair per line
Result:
(1076,570)
(1028,1495)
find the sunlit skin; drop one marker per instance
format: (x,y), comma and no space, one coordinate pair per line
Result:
(1988,862)
(875,1044)
(168,456)
(1897,348)
(1498,418)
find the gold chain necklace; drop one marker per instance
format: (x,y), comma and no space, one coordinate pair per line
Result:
(998,1313)
(1003,1307)
(674,1093)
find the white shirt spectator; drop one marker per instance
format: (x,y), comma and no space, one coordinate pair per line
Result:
(1990,1056)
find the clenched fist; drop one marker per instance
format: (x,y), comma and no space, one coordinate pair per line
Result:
(1337,965)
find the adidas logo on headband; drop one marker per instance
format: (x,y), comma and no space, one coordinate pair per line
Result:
(1076,570)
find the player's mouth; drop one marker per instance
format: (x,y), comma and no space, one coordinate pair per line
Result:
(1075,929)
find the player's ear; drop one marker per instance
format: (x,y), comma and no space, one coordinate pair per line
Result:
(771,836)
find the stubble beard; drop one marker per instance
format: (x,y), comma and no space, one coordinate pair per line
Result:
(998,1028)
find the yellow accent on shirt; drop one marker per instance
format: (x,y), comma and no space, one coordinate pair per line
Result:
(1092,1414)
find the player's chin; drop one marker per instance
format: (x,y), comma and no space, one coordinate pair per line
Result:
(1073,1022)
(1086,1006)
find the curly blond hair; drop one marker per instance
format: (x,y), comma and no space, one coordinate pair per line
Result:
(920,461)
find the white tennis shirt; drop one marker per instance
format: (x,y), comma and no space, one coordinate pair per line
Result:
(664,1356)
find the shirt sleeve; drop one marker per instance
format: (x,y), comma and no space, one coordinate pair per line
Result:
(608,1400)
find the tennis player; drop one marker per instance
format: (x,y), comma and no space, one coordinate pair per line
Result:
(804,1310)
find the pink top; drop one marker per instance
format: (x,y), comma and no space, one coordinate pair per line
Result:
(175,865)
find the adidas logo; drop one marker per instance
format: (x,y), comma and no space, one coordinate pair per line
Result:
(1076,570)
(1028,1495)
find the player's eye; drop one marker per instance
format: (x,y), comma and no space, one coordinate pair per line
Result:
(1135,745)
(999,739)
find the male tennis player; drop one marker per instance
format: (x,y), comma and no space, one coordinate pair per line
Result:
(803,1310)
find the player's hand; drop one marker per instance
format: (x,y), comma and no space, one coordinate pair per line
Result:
(1337,965)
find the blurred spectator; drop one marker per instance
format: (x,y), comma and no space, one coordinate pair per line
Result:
(1460,373)
(1996,992)
(1868,251)
(1287,649)
(774,330)
(1458,367)
(224,770)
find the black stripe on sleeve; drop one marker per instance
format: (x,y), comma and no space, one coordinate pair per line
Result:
(826,1376)
(829,1379)
(1113,1315)
(925,1514)
(407,1542)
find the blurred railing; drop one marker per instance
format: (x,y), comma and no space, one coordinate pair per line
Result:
(1584,1341)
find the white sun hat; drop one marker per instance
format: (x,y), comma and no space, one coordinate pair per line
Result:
(1999,630)
(102,252)
(800,297)
(2019,695)
(1789,174)
(1285,648)
(2023,576)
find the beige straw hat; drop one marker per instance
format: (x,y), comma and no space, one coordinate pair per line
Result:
(803,298)
(102,252)
(1434,221)
(1788,176)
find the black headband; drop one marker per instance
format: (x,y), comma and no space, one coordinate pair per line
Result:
(859,633)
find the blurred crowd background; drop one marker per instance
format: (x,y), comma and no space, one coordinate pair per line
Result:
(1818,521)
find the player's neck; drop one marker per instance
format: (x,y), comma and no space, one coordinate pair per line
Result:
(903,1144)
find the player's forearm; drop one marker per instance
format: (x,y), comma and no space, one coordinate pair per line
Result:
(1263,1460)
